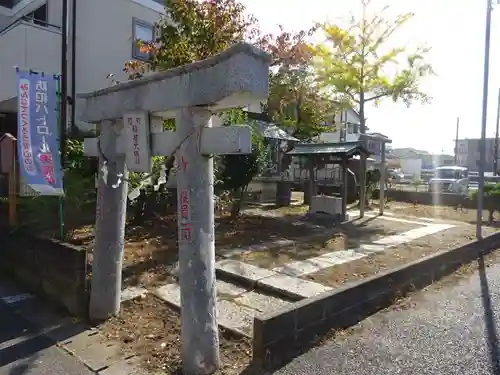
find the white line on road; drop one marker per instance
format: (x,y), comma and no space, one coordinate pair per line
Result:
(9,300)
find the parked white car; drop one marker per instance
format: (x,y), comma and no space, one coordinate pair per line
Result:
(450,179)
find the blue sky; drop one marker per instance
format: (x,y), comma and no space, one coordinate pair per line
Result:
(455,31)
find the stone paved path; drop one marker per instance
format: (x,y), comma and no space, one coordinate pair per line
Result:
(237,305)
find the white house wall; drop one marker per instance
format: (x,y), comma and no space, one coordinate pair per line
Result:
(103,42)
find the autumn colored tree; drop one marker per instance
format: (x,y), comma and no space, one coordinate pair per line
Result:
(193,30)
(295,100)
(357,65)
(196,29)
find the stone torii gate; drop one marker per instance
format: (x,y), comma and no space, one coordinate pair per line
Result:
(235,78)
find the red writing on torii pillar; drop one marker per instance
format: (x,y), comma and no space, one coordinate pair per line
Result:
(185,230)
(184,204)
(185,226)
(183,164)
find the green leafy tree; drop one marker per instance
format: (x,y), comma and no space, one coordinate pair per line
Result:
(193,30)
(296,101)
(40,214)
(358,66)
(235,172)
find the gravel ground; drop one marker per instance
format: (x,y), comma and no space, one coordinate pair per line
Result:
(151,250)
(436,211)
(450,328)
(346,236)
(395,257)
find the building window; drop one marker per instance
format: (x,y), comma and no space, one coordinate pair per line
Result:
(9,3)
(142,32)
(39,16)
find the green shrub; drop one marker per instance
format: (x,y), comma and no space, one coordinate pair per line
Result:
(491,199)
(489,190)
(41,214)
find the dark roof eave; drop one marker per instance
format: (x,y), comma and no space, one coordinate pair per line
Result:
(350,153)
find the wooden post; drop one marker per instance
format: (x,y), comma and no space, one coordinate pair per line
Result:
(345,188)
(13,191)
(383,177)
(8,166)
(311,191)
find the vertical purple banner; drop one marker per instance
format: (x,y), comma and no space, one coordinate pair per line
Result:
(38,133)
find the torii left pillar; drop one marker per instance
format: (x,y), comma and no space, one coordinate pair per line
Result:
(111,207)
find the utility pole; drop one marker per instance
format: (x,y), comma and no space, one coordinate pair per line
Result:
(73,66)
(64,80)
(362,157)
(495,150)
(482,143)
(456,141)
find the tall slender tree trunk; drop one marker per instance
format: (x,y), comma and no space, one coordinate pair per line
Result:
(362,167)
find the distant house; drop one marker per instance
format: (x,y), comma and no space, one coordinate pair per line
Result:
(468,154)
(347,128)
(429,161)
(347,125)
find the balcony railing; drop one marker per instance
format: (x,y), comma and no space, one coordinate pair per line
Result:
(29,20)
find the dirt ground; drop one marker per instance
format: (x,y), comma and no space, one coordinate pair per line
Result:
(150,329)
(346,236)
(397,256)
(439,212)
(151,249)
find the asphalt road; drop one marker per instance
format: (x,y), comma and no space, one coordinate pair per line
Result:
(447,330)
(24,352)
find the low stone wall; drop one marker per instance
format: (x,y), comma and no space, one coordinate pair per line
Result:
(286,333)
(53,268)
(429,199)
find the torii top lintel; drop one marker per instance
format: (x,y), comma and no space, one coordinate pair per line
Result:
(233,78)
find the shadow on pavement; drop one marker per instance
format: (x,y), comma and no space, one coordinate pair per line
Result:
(26,349)
(491,331)
(21,340)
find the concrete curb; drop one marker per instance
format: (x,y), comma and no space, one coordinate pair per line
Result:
(234,331)
(280,285)
(254,284)
(284,334)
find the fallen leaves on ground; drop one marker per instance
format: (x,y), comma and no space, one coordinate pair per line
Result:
(148,327)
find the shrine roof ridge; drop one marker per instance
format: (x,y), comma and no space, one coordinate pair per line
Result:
(235,49)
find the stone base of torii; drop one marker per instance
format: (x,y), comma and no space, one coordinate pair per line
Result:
(235,78)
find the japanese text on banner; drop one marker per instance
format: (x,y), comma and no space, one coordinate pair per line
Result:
(37,125)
